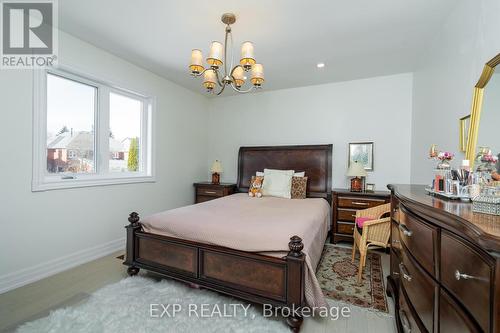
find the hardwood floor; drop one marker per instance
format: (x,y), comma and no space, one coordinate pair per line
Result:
(68,288)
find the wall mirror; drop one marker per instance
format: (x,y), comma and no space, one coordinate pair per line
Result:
(484,126)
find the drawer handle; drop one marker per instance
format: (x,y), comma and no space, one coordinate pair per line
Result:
(210,192)
(407,232)
(360,203)
(461,276)
(405,273)
(404,321)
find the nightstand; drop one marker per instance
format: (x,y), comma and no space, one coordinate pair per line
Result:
(205,191)
(345,206)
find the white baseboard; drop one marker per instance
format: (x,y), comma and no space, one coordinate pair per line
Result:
(28,275)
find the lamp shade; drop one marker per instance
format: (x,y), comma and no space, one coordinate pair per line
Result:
(356,169)
(239,76)
(209,79)
(196,65)
(215,55)
(257,75)
(216,167)
(247,56)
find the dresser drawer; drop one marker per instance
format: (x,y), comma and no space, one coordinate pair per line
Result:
(408,322)
(346,215)
(345,228)
(467,276)
(420,239)
(420,288)
(359,203)
(395,261)
(210,192)
(452,318)
(395,239)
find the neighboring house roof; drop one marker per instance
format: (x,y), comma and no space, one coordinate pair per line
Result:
(80,141)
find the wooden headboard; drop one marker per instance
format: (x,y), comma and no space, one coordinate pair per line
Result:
(315,160)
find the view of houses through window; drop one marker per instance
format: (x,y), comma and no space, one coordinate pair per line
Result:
(71,124)
(124,136)
(71,109)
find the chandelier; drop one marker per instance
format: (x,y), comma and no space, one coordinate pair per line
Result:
(217,57)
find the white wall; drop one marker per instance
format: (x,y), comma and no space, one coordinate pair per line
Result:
(444,82)
(43,227)
(376,109)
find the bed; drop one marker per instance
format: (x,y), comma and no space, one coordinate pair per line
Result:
(265,261)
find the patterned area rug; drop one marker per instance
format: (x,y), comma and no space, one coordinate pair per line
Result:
(337,276)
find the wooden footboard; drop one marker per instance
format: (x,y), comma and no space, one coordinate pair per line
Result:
(249,276)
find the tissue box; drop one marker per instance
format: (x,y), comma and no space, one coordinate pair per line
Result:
(487,204)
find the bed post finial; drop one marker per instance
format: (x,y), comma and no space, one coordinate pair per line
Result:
(295,246)
(133,218)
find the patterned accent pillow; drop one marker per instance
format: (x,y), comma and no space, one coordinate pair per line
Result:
(299,187)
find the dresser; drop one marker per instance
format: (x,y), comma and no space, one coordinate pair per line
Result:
(445,264)
(345,206)
(205,191)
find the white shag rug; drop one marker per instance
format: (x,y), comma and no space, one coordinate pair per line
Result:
(125,307)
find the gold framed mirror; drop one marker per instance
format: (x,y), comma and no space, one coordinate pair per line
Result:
(464,124)
(476,110)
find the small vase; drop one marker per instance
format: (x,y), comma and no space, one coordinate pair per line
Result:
(444,165)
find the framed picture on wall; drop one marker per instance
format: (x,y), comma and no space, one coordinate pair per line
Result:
(361,152)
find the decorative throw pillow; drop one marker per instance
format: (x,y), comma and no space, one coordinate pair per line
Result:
(299,187)
(277,183)
(361,220)
(255,189)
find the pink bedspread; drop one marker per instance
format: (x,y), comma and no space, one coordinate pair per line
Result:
(255,225)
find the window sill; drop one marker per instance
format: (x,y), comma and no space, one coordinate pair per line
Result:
(61,184)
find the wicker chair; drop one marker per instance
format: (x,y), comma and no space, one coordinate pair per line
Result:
(375,233)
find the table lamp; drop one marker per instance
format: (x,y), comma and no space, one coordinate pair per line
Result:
(216,170)
(357,171)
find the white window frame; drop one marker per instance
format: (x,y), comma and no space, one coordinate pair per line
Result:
(43,181)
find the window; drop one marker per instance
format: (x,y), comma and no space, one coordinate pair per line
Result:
(89,133)
(71,107)
(125,116)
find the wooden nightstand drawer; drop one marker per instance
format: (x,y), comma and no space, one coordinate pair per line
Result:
(210,191)
(346,215)
(207,191)
(345,228)
(359,203)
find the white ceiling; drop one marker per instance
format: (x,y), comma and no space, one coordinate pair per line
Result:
(355,39)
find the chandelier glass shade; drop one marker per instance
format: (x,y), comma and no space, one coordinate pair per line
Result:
(216,74)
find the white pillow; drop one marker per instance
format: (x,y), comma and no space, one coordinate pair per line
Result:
(277,183)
